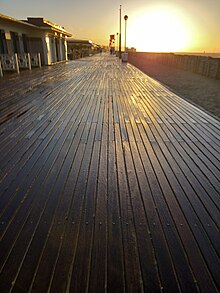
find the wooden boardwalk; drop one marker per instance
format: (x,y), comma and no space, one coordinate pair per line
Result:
(109,183)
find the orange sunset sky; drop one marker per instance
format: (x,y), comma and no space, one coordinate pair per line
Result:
(165,26)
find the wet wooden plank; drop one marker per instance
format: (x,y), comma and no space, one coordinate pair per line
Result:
(133,276)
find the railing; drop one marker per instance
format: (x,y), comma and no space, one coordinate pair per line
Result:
(16,62)
(24,61)
(35,60)
(9,62)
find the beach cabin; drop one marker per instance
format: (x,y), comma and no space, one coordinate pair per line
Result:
(78,48)
(34,35)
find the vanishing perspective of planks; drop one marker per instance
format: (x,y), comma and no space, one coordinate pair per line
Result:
(109,183)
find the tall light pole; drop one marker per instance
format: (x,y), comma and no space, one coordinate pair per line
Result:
(120,32)
(125,18)
(117,42)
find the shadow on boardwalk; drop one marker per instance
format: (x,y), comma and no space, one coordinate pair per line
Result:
(109,182)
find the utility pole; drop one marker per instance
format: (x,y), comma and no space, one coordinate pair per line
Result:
(120,32)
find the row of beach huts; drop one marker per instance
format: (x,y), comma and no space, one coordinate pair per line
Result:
(37,41)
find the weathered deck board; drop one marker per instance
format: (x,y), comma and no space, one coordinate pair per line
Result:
(109,182)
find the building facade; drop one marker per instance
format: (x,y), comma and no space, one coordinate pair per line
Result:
(78,48)
(34,35)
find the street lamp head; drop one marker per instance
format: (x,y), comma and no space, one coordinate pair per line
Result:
(125,18)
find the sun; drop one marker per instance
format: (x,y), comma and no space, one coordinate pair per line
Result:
(158,30)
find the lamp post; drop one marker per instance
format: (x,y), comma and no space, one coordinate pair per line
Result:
(117,42)
(125,18)
(120,32)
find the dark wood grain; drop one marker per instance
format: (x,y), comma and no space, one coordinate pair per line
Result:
(109,183)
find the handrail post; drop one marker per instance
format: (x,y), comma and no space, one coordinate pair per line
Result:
(16,63)
(29,61)
(1,72)
(39,60)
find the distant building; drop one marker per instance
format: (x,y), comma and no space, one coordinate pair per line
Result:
(34,35)
(81,48)
(132,49)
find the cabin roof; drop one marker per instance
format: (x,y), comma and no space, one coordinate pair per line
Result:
(38,23)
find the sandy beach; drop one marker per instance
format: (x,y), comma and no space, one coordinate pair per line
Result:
(200,90)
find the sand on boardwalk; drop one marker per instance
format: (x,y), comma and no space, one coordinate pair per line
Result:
(201,90)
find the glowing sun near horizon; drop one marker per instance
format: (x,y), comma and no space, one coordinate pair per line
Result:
(159,30)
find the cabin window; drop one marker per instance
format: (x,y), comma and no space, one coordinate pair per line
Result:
(24,39)
(15,42)
(3,45)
